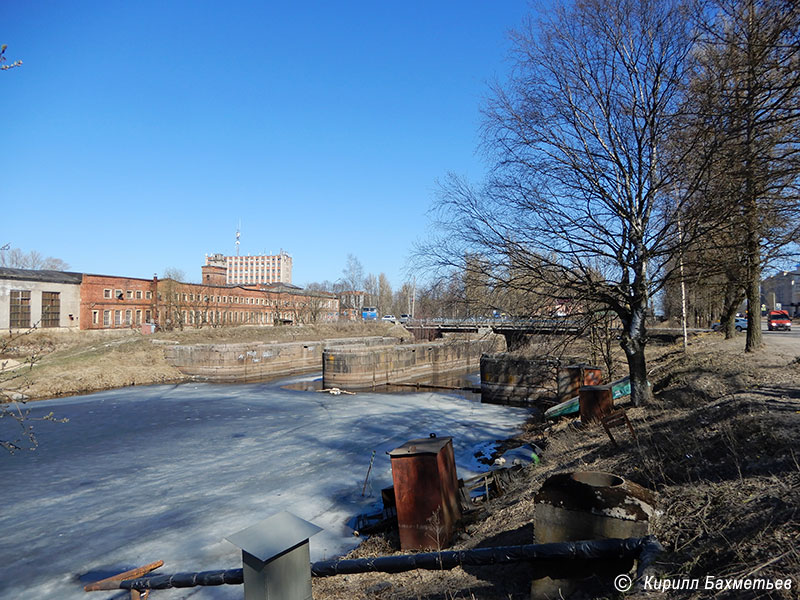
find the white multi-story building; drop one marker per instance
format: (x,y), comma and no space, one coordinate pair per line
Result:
(783,291)
(243,270)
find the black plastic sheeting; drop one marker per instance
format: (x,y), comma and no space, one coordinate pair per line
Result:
(644,549)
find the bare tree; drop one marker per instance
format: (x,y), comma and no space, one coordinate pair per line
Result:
(371,290)
(750,69)
(173,298)
(404,299)
(3,60)
(18,259)
(584,193)
(384,294)
(17,429)
(353,273)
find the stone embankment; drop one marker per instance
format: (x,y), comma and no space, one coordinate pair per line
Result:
(256,361)
(512,379)
(509,378)
(361,367)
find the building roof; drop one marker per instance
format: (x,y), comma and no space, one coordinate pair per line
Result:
(278,284)
(44,275)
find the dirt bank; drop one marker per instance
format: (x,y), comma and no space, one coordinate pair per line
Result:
(49,364)
(718,446)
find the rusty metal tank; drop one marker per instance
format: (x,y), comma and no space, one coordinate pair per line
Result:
(426,492)
(572,377)
(596,401)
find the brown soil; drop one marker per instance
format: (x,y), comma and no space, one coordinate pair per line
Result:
(49,364)
(718,446)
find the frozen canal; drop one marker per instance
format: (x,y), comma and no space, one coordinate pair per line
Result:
(167,472)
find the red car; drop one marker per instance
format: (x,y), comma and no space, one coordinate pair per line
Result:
(779,319)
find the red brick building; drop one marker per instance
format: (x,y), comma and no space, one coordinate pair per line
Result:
(197,305)
(110,302)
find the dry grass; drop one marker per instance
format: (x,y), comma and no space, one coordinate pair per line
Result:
(64,363)
(718,446)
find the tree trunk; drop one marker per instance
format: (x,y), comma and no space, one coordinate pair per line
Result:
(733,298)
(753,249)
(751,200)
(634,338)
(754,340)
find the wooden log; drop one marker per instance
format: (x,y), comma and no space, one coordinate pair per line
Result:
(112,583)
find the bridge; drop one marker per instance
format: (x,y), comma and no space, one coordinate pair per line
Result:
(516,330)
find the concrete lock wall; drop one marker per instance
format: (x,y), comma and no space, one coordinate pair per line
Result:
(354,368)
(256,361)
(506,378)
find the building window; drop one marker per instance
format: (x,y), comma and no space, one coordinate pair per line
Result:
(138,294)
(118,294)
(106,318)
(106,293)
(128,315)
(129,294)
(20,309)
(147,316)
(51,309)
(95,317)
(138,316)
(148,295)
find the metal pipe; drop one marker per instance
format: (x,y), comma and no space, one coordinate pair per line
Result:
(645,549)
(608,548)
(182,580)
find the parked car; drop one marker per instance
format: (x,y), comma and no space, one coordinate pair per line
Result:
(405,318)
(389,318)
(740,324)
(779,320)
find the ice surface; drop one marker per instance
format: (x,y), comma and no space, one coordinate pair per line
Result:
(167,472)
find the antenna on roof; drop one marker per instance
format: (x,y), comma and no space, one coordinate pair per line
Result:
(238,234)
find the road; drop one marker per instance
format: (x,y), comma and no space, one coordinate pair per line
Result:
(786,343)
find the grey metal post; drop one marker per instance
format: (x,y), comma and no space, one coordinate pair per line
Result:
(275,558)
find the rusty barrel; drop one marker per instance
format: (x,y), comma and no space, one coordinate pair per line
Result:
(596,401)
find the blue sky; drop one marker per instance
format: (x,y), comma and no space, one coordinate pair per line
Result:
(136,135)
